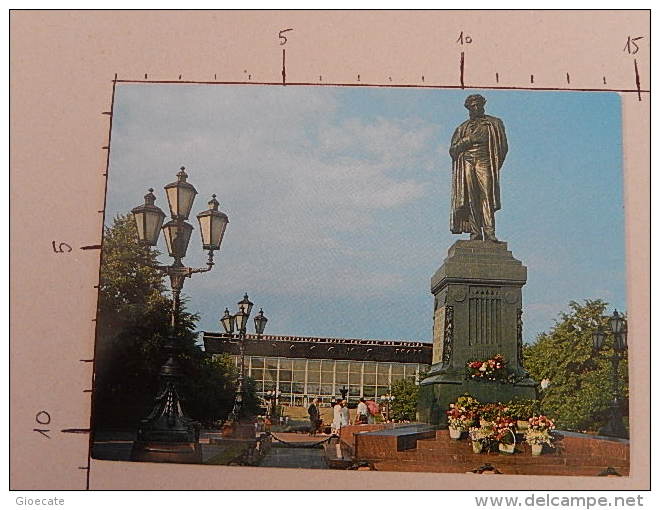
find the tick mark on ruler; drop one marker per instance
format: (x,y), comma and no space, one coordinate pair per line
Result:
(86,360)
(105,147)
(568,78)
(106,113)
(531,78)
(283,66)
(422,77)
(91,247)
(76,431)
(145,76)
(462,69)
(497,77)
(604,81)
(639,91)
(87,391)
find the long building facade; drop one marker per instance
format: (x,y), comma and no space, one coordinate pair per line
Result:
(301,368)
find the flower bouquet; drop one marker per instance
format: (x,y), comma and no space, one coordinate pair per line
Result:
(505,434)
(482,437)
(493,369)
(521,411)
(488,413)
(459,419)
(541,423)
(537,438)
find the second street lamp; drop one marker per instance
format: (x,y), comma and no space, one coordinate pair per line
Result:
(239,322)
(619,331)
(167,434)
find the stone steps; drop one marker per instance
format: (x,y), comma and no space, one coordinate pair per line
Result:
(573,455)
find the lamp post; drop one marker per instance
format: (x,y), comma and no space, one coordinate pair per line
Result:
(239,322)
(619,330)
(388,399)
(271,396)
(167,423)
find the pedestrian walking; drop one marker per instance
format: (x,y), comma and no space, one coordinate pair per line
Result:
(314,417)
(362,413)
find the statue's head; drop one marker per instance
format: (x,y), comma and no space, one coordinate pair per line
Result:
(475,104)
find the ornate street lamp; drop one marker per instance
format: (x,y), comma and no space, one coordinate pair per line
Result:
(388,399)
(228,322)
(148,220)
(619,330)
(239,321)
(167,423)
(260,322)
(271,396)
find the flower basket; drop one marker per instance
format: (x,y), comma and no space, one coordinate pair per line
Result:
(536,438)
(477,446)
(455,433)
(506,448)
(506,437)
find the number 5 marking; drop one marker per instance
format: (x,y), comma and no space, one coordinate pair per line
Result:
(283,37)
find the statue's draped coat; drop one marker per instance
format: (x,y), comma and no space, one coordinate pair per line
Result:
(460,199)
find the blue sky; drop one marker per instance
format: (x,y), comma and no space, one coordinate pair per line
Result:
(338,198)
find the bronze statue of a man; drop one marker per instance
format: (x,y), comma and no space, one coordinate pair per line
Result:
(478,149)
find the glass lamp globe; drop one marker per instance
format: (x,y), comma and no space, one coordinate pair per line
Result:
(148,220)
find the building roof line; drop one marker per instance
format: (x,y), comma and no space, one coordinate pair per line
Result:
(293,338)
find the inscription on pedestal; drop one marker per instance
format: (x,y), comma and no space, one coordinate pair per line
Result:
(438,334)
(484,316)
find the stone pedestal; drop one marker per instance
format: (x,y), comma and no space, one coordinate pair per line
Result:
(477,314)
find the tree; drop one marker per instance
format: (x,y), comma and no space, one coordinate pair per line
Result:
(404,405)
(580,391)
(133,323)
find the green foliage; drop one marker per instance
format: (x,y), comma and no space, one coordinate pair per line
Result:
(404,406)
(133,323)
(522,409)
(581,387)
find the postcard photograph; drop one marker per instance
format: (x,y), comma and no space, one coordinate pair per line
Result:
(364,278)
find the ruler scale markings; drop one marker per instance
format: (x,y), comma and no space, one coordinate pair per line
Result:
(462,69)
(395,85)
(639,92)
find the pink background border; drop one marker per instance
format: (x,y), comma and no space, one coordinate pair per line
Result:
(62,66)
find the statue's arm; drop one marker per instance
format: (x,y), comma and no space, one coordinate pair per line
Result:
(505,145)
(458,144)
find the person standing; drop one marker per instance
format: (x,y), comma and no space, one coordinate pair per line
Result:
(362,414)
(336,417)
(314,416)
(344,414)
(374,410)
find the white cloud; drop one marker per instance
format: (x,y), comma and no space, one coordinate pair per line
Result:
(298,180)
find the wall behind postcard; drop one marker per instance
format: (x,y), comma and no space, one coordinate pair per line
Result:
(63,64)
